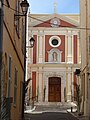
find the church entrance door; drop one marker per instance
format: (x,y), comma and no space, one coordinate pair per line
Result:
(54,89)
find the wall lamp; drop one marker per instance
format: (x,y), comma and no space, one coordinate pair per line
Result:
(24,6)
(31,43)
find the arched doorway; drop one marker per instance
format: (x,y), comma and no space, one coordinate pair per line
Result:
(54,89)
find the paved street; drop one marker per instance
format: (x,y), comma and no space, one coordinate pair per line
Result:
(50,112)
(50,116)
(45,111)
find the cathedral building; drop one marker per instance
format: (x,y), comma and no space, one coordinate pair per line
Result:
(52,62)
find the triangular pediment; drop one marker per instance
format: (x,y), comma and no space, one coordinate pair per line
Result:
(51,20)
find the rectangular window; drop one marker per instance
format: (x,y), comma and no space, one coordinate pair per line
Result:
(15,86)
(23,37)
(9,76)
(21,96)
(17,18)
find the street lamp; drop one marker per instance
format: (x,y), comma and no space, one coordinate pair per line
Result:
(31,42)
(24,5)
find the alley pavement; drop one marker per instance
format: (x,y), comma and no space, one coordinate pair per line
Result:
(55,111)
(50,116)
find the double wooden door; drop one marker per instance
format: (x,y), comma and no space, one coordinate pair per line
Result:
(54,89)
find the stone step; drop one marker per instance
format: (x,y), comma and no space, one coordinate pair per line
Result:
(55,103)
(49,103)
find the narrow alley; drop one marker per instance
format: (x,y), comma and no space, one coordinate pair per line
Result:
(52,112)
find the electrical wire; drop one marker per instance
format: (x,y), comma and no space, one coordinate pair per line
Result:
(75,27)
(10,8)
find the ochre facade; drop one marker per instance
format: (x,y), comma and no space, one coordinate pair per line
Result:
(12,61)
(85,56)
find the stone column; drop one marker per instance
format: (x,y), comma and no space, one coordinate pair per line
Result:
(69,47)
(62,89)
(66,81)
(69,85)
(46,93)
(40,77)
(40,47)
(66,47)
(72,50)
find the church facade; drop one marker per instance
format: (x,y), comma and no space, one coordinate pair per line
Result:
(52,62)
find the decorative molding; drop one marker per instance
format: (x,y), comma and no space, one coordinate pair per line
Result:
(55,22)
(52,57)
(54,74)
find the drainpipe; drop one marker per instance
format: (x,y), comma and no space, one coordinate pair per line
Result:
(1,51)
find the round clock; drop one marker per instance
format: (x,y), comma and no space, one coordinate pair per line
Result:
(55,22)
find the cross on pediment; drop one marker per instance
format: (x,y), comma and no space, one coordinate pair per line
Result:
(55,5)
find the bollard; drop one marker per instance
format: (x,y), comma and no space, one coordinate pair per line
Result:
(32,104)
(71,109)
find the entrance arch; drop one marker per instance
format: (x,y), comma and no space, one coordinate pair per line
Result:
(54,89)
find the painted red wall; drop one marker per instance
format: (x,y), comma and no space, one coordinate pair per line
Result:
(34,49)
(48,24)
(75,49)
(61,47)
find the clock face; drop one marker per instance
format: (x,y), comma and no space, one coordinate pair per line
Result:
(55,22)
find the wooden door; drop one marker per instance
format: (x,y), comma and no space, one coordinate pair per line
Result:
(54,89)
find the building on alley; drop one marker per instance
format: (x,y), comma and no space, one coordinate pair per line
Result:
(51,64)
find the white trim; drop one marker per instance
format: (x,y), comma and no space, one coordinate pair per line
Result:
(57,38)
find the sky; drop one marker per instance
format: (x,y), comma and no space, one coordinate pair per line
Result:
(47,6)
